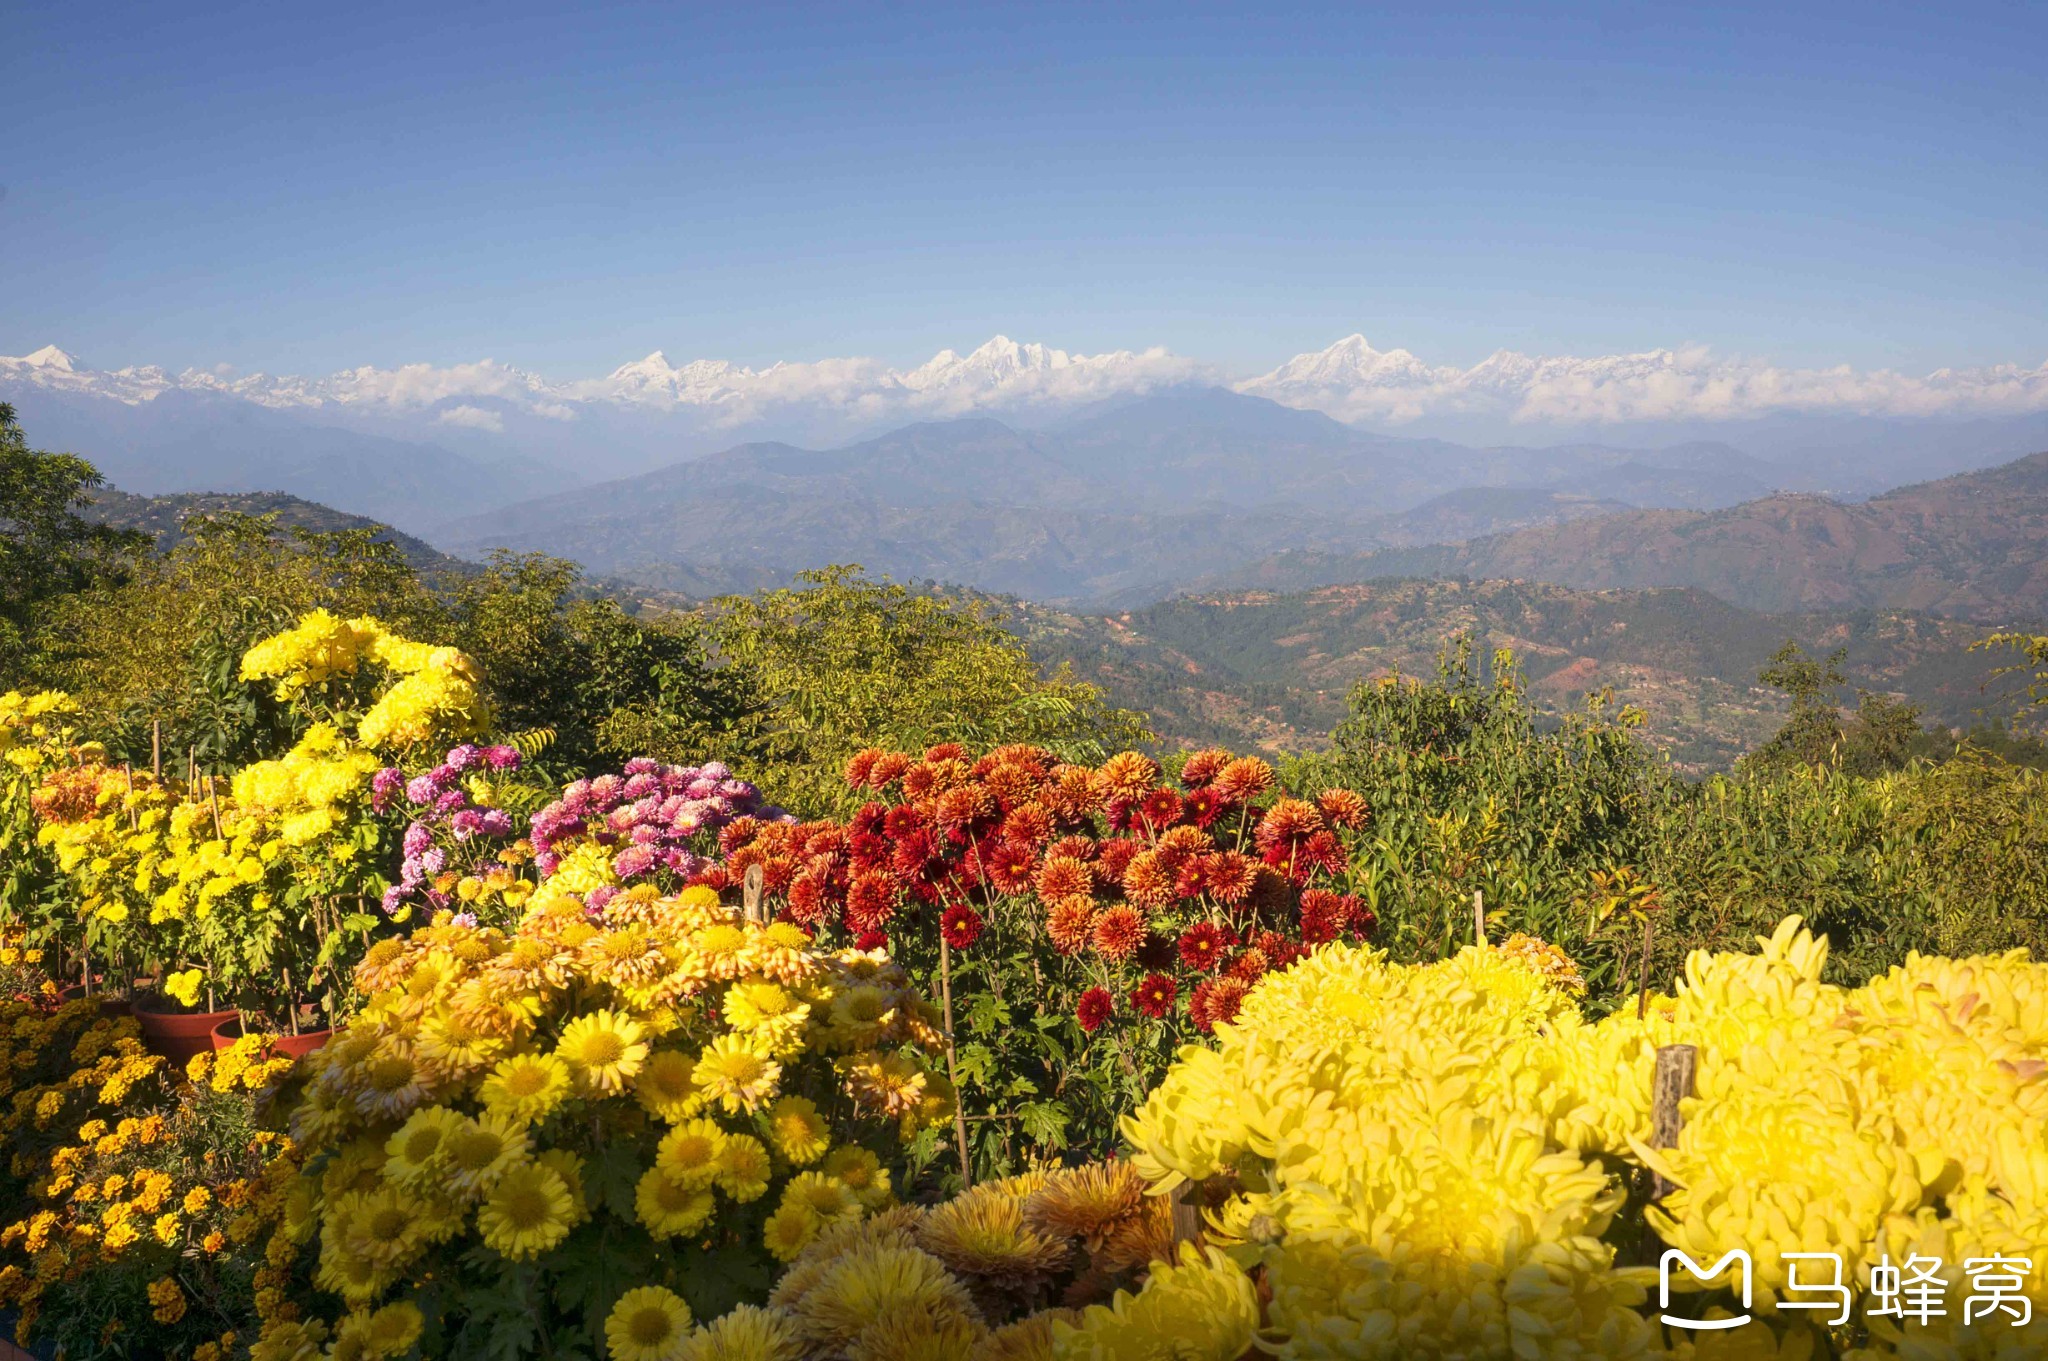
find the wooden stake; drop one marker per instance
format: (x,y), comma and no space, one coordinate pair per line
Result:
(1479,919)
(291,1000)
(1187,1216)
(213,797)
(191,766)
(156,750)
(750,899)
(952,1069)
(1676,1066)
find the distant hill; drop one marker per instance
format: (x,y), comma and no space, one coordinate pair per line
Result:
(163,519)
(1130,500)
(1273,670)
(1974,546)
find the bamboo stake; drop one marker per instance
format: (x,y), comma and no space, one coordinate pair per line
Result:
(213,797)
(1479,918)
(129,776)
(952,1070)
(291,999)
(156,750)
(191,766)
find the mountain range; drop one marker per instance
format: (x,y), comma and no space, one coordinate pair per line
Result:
(1973,546)
(420,444)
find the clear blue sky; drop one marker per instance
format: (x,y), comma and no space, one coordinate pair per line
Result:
(300,188)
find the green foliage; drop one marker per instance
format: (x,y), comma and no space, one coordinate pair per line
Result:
(47,550)
(840,662)
(609,685)
(163,647)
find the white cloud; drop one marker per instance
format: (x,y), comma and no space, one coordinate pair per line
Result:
(1350,380)
(472,418)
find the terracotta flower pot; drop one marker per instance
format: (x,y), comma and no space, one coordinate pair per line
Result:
(109,1005)
(178,1036)
(287,1046)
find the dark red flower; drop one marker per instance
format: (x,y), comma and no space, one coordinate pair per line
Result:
(960,925)
(867,821)
(871,940)
(1155,995)
(1010,865)
(1202,767)
(1215,1002)
(870,901)
(1201,807)
(869,850)
(861,766)
(1359,918)
(1250,965)
(1157,954)
(1160,809)
(1323,916)
(807,900)
(1096,1006)
(914,851)
(1114,856)
(902,820)
(1028,824)
(1072,847)
(1202,945)
(1230,875)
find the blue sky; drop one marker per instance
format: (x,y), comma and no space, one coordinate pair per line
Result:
(299,188)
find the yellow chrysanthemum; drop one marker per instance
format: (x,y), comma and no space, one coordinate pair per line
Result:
(525,1087)
(647,1324)
(603,1049)
(790,1230)
(798,1132)
(418,1150)
(527,1211)
(736,1074)
(747,1333)
(481,1150)
(667,1086)
(669,1205)
(743,1168)
(689,1153)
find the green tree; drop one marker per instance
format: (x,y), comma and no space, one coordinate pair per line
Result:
(163,647)
(1813,732)
(841,662)
(47,549)
(607,684)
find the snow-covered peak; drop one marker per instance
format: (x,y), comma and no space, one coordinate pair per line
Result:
(49,357)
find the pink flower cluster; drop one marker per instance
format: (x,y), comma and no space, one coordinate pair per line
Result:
(653,816)
(444,812)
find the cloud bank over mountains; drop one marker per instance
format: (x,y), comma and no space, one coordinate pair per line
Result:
(1351,381)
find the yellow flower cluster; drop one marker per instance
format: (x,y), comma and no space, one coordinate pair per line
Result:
(1421,1158)
(491,1075)
(974,1276)
(435,696)
(34,733)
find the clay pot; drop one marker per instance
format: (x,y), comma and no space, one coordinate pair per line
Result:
(287,1046)
(178,1036)
(109,1005)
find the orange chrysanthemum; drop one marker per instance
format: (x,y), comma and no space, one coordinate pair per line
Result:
(1229,876)
(1243,780)
(1127,776)
(1288,822)
(1202,767)
(1149,879)
(1343,808)
(1070,922)
(1118,932)
(1063,877)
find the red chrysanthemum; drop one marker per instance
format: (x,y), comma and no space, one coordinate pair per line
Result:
(1242,780)
(1115,855)
(901,821)
(862,766)
(1287,823)
(921,781)
(1191,879)
(1280,952)
(1202,766)
(1323,916)
(778,872)
(1096,1006)
(867,821)
(737,833)
(888,769)
(1230,875)
(1321,852)
(1072,847)
(807,899)
(1359,918)
(869,850)
(1022,756)
(1215,1002)
(1118,933)
(1010,866)
(1160,809)
(1028,824)
(960,925)
(945,751)
(871,901)
(1249,966)
(1155,995)
(1343,808)
(1202,945)
(1201,807)
(871,940)
(1064,877)
(1070,922)
(962,806)
(914,851)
